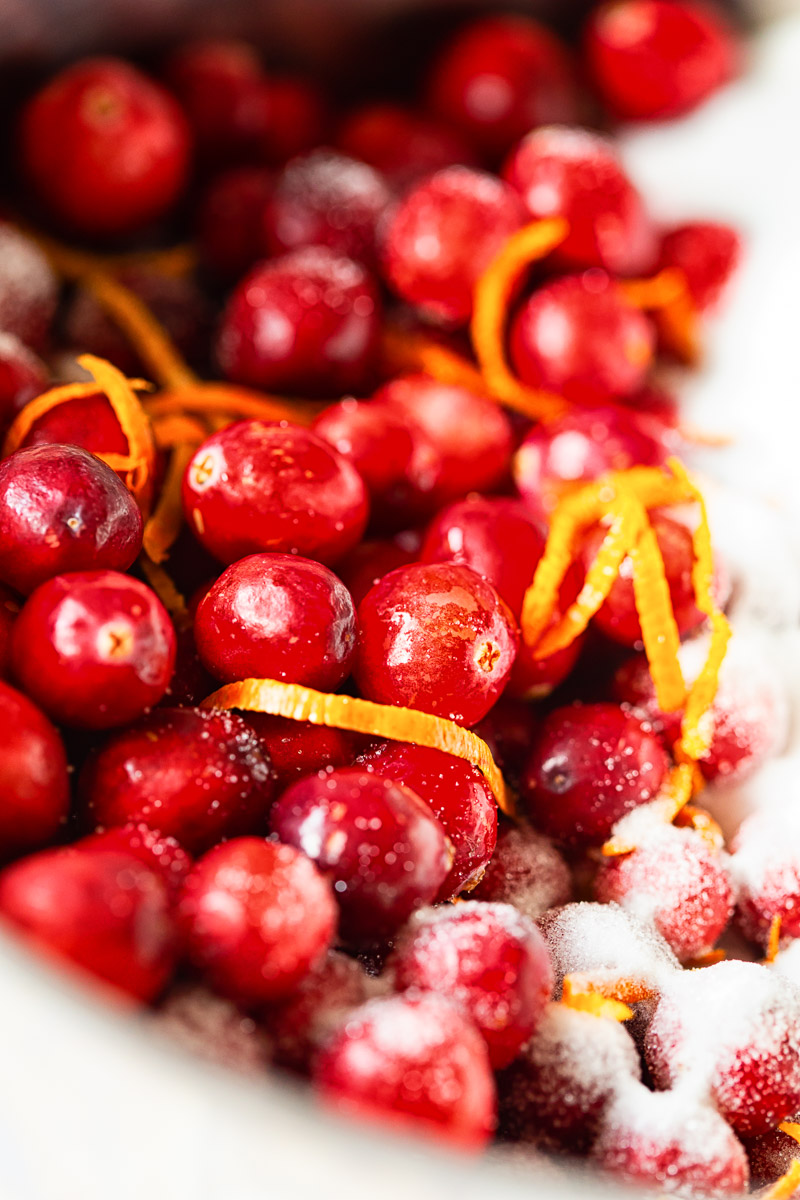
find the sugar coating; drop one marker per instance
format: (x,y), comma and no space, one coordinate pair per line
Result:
(787,962)
(208,1025)
(766,869)
(607,941)
(526,871)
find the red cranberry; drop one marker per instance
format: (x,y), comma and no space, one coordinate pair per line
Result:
(367,564)
(28,288)
(88,421)
(190,681)
(256,918)
(105,147)
(383,849)
(94,648)
(576,174)
(766,869)
(277,616)
(770,1156)
(498,77)
(707,253)
(435,637)
(22,376)
(297,117)
(413,1062)
(443,235)
(62,509)
(230,220)
(101,910)
(526,871)
(508,729)
(653,59)
(193,775)
(34,787)
(220,85)
(580,337)
(213,1028)
(9,611)
(298,748)
(271,486)
(375,438)
(163,853)
(589,766)
(606,941)
(458,795)
(307,323)
(402,144)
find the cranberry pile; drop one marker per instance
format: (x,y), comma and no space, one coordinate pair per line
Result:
(346,906)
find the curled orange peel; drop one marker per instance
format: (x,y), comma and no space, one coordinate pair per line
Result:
(774,945)
(164,524)
(785,1187)
(623,991)
(708,959)
(231,402)
(667,298)
(597,1006)
(674,796)
(405,351)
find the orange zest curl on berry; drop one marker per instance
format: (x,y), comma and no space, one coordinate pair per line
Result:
(597,1005)
(404,350)
(785,1187)
(667,298)
(773,946)
(624,991)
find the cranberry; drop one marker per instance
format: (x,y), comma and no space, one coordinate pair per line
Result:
(162,853)
(653,59)
(375,438)
(9,611)
(88,421)
(458,795)
(526,871)
(93,648)
(383,849)
(34,788)
(248,623)
(271,486)
(576,174)
(770,1156)
(298,748)
(580,337)
(367,564)
(443,235)
(435,637)
(230,220)
(256,918)
(707,253)
(498,77)
(589,766)
(766,868)
(62,509)
(28,288)
(297,112)
(402,144)
(193,775)
(190,681)
(508,729)
(307,322)
(220,85)
(213,1028)
(413,1062)
(22,376)
(105,147)
(102,910)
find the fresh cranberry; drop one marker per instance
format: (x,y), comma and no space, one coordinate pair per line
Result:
(375,438)
(34,787)
(770,1156)
(163,853)
(277,616)
(580,337)
(708,254)
(62,509)
(88,421)
(213,1028)
(589,765)
(28,288)
(22,376)
(380,845)
(367,564)
(298,748)
(458,795)
(413,1062)
(508,730)
(653,59)
(576,174)
(498,77)
(256,918)
(9,611)
(443,235)
(193,775)
(102,910)
(94,648)
(402,144)
(190,681)
(766,868)
(259,486)
(307,322)
(297,117)
(220,85)
(526,871)
(230,220)
(435,637)
(105,147)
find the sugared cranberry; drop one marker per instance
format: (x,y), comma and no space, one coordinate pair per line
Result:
(299,748)
(770,1156)
(413,1062)
(9,611)
(62,509)
(526,871)
(259,486)
(707,253)
(375,438)
(94,649)
(196,776)
(277,616)
(435,637)
(28,288)
(22,376)
(256,918)
(380,845)
(155,849)
(458,795)
(105,147)
(220,85)
(500,76)
(306,322)
(580,337)
(766,868)
(653,59)
(576,174)
(367,564)
(102,910)
(213,1028)
(589,765)
(230,220)
(34,787)
(402,144)
(442,236)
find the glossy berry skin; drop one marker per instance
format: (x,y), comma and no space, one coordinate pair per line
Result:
(198,776)
(526,871)
(375,438)
(589,766)
(277,616)
(435,637)
(766,869)
(572,173)
(404,145)
(305,323)
(443,235)
(458,795)
(379,844)
(102,910)
(28,288)
(655,59)
(415,1063)
(508,729)
(367,564)
(22,376)
(298,748)
(256,917)
(500,76)
(486,958)
(95,649)
(708,254)
(220,85)
(153,848)
(9,611)
(105,148)
(230,220)
(88,421)
(262,486)
(34,786)
(604,348)
(62,509)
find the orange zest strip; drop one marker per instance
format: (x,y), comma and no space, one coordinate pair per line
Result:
(659,627)
(172,431)
(656,292)
(709,959)
(493,296)
(73,264)
(237,402)
(785,1187)
(624,991)
(791,1129)
(774,943)
(597,1006)
(667,296)
(36,408)
(703,823)
(411,351)
(362,716)
(672,799)
(131,416)
(162,528)
(165,589)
